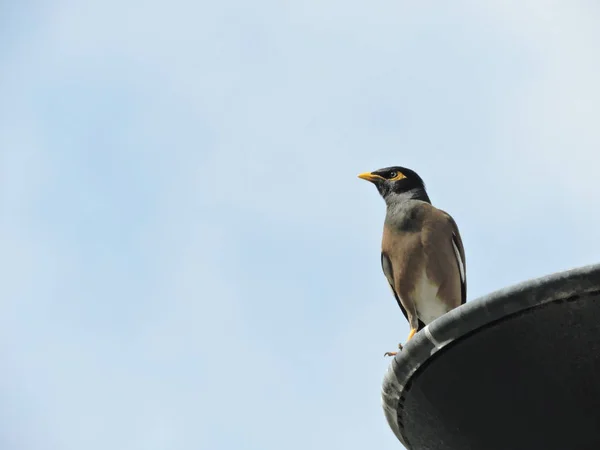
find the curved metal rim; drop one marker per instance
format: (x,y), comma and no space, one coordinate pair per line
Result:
(472,316)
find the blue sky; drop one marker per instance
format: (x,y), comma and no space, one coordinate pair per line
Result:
(188,259)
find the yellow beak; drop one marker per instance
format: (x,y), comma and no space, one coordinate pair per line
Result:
(370,176)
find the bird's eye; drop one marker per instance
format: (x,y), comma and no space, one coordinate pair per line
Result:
(393,175)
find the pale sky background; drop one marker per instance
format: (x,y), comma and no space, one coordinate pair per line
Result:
(188,259)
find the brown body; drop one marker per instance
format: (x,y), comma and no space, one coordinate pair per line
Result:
(420,261)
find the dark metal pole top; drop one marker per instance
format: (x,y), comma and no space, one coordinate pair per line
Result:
(516,369)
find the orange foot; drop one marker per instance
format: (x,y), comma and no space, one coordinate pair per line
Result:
(410,335)
(393,353)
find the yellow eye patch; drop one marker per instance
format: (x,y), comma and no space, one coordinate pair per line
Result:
(395,176)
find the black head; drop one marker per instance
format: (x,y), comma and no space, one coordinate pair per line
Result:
(397,180)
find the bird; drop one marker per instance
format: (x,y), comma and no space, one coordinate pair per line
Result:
(422,254)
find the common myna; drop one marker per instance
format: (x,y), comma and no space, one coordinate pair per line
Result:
(422,254)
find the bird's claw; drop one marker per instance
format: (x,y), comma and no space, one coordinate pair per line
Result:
(393,353)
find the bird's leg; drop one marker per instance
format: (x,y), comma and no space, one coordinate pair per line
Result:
(410,335)
(393,353)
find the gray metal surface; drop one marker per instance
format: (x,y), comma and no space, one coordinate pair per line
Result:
(516,369)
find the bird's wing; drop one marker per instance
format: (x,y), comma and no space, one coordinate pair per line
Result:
(388,270)
(459,252)
(396,251)
(443,248)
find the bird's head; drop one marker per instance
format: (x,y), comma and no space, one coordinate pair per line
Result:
(397,183)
